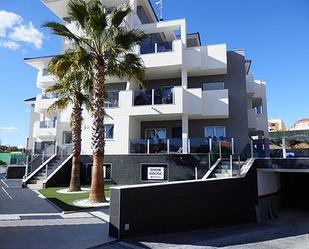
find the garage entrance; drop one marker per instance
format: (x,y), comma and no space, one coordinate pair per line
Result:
(295,190)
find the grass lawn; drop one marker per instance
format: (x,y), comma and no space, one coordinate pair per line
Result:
(65,201)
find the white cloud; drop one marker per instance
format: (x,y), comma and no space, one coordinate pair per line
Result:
(14,31)
(8,129)
(27,33)
(8,20)
(10,45)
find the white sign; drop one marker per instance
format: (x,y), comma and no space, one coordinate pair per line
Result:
(155,173)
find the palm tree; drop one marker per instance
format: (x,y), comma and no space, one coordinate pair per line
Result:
(109,44)
(73,79)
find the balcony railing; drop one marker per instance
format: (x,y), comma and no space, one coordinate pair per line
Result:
(50,95)
(48,124)
(153,97)
(154,48)
(222,146)
(111,100)
(156,146)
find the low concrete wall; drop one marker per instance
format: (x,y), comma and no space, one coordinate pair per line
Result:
(126,169)
(282,164)
(182,206)
(15,172)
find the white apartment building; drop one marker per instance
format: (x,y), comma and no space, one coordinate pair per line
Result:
(195,92)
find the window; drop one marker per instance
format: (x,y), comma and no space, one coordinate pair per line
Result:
(215,131)
(107,171)
(67,137)
(111,99)
(213,86)
(158,133)
(109,131)
(45,72)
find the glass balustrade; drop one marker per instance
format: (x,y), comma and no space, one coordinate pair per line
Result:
(111,99)
(222,147)
(154,97)
(153,48)
(50,95)
(48,124)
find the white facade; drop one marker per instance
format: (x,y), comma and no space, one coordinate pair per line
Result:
(174,59)
(276,125)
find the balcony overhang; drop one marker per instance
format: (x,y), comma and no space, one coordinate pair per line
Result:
(39,62)
(59,7)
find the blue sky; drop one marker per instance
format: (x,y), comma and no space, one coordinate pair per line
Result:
(274,34)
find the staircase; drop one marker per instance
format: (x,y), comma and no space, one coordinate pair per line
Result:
(36,179)
(223,169)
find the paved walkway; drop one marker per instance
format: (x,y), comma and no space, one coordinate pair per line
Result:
(290,231)
(27,220)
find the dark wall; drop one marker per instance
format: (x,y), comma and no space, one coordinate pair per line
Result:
(121,86)
(295,163)
(235,81)
(165,208)
(126,169)
(295,191)
(157,84)
(168,125)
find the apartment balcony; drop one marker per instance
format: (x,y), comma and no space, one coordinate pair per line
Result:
(192,102)
(58,7)
(212,104)
(255,88)
(257,121)
(159,55)
(43,101)
(221,145)
(210,59)
(156,146)
(44,79)
(151,103)
(45,129)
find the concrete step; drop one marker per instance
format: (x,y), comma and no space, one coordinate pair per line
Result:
(35,186)
(225,171)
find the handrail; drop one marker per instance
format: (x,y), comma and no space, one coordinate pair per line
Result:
(39,168)
(57,169)
(212,169)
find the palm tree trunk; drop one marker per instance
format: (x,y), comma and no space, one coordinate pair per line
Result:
(76,122)
(97,193)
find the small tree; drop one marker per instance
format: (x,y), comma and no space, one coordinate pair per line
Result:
(73,84)
(110,44)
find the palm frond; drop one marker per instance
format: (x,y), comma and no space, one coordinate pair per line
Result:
(59,104)
(127,39)
(78,12)
(61,30)
(118,15)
